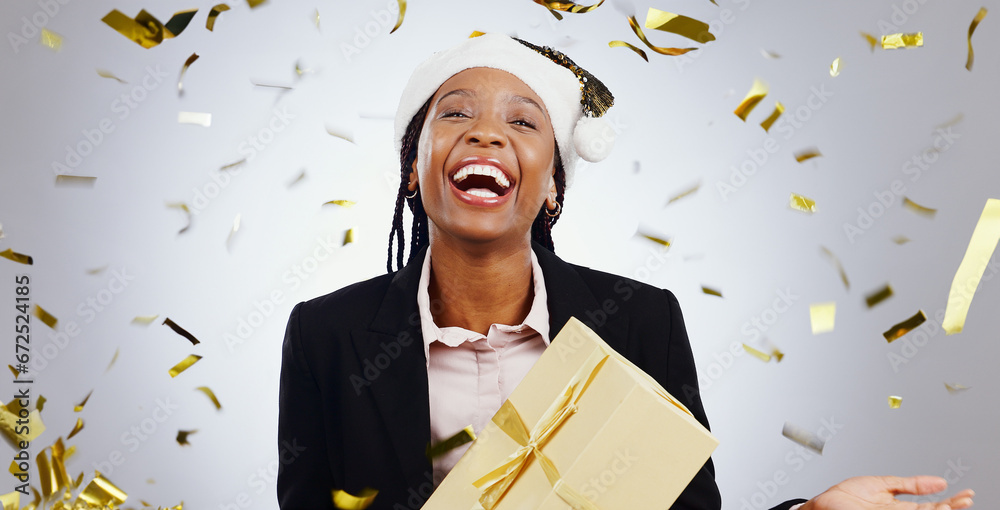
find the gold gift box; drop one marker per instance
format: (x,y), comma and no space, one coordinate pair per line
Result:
(585,429)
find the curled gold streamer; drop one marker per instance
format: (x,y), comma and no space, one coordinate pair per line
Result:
(184,365)
(568,6)
(906,326)
(20,258)
(919,209)
(623,44)
(76,428)
(970,271)
(187,211)
(972,28)
(661,50)
(79,407)
(678,24)
(399,20)
(44,316)
(104,73)
(211,395)
(180,80)
(757,93)
(807,154)
(145,30)
(836,262)
(101,492)
(778,110)
(213,14)
(894,41)
(347,501)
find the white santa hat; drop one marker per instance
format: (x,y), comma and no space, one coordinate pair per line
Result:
(574,98)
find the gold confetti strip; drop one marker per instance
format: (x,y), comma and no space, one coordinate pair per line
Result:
(836,262)
(14,371)
(877,296)
(184,365)
(44,316)
(801,203)
(342,203)
(661,50)
(658,240)
(113,360)
(184,207)
(77,428)
(778,355)
(689,191)
(900,239)
(316,19)
(79,181)
(466,435)
(769,54)
(763,356)
(757,93)
(346,501)
(182,437)
(9,418)
(807,154)
(894,41)
(40,403)
(302,175)
(476,33)
(103,73)
(803,437)
(199,118)
(101,492)
(906,326)
(233,164)
(872,40)
(895,401)
(180,331)
(348,237)
(51,40)
(970,271)
(214,14)
(97,270)
(972,28)
(79,407)
(955,120)
(236,228)
(955,388)
(255,3)
(334,132)
(180,79)
(568,6)
(623,44)
(145,320)
(835,67)
(710,291)
(299,70)
(211,395)
(20,258)
(145,30)
(822,317)
(678,24)
(778,110)
(11,500)
(399,21)
(919,209)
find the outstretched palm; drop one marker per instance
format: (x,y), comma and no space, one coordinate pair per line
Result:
(879,493)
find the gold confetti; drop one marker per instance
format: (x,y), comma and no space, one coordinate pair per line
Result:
(180,79)
(402,12)
(877,296)
(972,28)
(113,360)
(214,14)
(1,231)
(51,40)
(872,40)
(955,120)
(103,73)
(79,407)
(180,331)
(623,44)
(342,203)
(316,19)
(40,403)
(894,41)
(97,270)
(763,356)
(184,365)
(346,501)
(460,438)
(895,401)
(145,30)
(348,237)
(955,388)
(101,492)
(78,181)
(9,418)
(778,355)
(835,67)
(905,327)
(44,316)
(476,33)
(710,291)
(684,193)
(255,3)
(337,133)
(184,207)
(757,93)
(145,320)
(769,54)
(211,395)
(678,24)
(20,258)
(14,371)
(836,262)
(900,239)
(199,118)
(299,70)
(919,209)
(807,154)
(233,164)
(302,175)
(77,428)
(182,437)
(822,317)
(801,203)
(658,240)
(11,500)
(778,110)
(236,228)
(803,437)
(661,50)
(568,6)
(970,272)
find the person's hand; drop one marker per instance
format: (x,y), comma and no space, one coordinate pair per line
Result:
(878,492)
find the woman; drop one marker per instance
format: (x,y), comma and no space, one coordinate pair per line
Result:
(488,134)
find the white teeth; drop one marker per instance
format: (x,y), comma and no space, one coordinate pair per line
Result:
(479,192)
(497,175)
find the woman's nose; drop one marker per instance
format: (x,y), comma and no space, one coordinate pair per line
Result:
(486,132)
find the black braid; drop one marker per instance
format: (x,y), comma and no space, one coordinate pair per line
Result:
(541,229)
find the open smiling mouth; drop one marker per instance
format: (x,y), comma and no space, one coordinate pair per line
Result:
(482,181)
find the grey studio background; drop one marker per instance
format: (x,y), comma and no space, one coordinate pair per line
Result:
(677,129)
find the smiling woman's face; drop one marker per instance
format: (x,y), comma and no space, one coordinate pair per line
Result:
(486,158)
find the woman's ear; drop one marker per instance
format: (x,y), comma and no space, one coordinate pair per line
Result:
(551,201)
(413,176)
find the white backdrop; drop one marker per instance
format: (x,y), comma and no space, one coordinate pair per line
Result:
(677,129)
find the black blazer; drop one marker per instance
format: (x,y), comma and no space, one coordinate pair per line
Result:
(354,409)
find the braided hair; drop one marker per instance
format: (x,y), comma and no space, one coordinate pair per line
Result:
(541,229)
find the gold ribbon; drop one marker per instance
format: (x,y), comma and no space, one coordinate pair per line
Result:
(496,483)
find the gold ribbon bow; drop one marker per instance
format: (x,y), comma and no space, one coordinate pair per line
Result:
(496,483)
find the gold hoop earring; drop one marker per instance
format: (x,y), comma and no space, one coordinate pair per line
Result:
(558,211)
(414,195)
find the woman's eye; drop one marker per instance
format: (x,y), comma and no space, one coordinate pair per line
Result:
(524,122)
(452,114)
